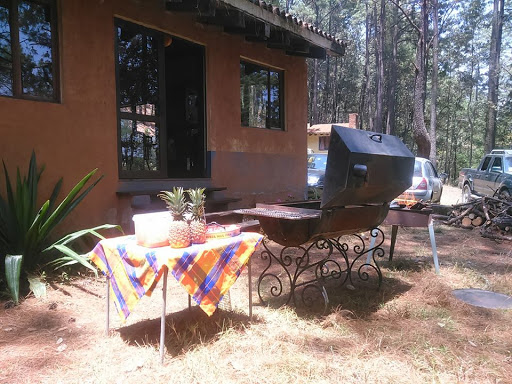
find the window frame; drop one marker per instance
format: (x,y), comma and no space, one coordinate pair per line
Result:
(17,86)
(324,142)
(281,73)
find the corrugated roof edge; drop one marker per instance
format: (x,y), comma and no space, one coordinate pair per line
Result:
(290,19)
(275,10)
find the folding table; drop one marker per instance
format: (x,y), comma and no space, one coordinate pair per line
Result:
(206,271)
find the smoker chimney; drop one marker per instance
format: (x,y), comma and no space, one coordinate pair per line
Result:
(353,120)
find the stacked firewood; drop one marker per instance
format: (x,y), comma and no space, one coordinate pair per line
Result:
(492,215)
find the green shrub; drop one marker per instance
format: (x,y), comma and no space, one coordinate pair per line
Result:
(26,230)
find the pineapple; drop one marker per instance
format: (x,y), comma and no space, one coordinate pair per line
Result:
(198,222)
(179,231)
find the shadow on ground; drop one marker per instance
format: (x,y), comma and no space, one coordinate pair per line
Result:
(185,329)
(359,297)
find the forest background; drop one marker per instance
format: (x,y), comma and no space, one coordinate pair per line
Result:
(436,73)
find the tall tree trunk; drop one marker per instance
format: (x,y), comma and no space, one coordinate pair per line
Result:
(470,112)
(334,99)
(435,72)
(366,78)
(448,147)
(314,103)
(419,129)
(420,133)
(327,115)
(391,99)
(327,92)
(494,75)
(379,61)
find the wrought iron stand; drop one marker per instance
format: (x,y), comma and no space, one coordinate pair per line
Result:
(311,266)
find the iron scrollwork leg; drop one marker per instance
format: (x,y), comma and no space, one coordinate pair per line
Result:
(299,270)
(311,267)
(276,287)
(365,268)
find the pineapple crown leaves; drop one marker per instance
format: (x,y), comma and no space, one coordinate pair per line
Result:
(197,200)
(175,202)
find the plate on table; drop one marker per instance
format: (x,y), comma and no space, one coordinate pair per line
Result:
(218,231)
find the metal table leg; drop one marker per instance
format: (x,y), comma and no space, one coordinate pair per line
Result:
(249,271)
(394,231)
(433,244)
(108,306)
(162,320)
(372,244)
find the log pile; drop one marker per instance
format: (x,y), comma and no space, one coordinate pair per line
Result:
(492,215)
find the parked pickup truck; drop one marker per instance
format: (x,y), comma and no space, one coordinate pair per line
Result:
(493,177)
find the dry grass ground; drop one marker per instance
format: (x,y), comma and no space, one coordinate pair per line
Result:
(411,330)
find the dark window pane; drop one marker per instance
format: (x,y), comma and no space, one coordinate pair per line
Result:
(275,101)
(260,96)
(254,95)
(5,53)
(323,143)
(496,165)
(485,164)
(244,96)
(36,49)
(138,71)
(139,145)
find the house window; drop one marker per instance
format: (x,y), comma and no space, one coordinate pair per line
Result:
(139,93)
(28,49)
(160,93)
(261,96)
(323,143)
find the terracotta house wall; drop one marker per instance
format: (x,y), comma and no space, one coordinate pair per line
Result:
(80,132)
(313,143)
(313,140)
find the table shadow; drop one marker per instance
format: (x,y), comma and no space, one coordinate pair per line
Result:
(185,329)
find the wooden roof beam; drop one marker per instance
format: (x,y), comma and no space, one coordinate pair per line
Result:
(265,16)
(314,53)
(225,18)
(261,32)
(204,6)
(300,46)
(279,40)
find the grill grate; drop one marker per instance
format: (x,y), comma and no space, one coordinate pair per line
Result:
(278,214)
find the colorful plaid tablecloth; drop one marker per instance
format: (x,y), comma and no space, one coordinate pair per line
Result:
(206,271)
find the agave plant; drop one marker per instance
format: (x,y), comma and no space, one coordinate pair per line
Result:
(70,256)
(24,229)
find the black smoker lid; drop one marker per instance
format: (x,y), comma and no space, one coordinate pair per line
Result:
(365,168)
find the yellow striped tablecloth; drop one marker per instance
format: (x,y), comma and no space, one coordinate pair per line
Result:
(206,271)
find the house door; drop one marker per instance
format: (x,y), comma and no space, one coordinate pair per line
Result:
(185,109)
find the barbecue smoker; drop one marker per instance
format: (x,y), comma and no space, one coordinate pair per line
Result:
(365,172)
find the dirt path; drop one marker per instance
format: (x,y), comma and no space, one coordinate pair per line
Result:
(451,195)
